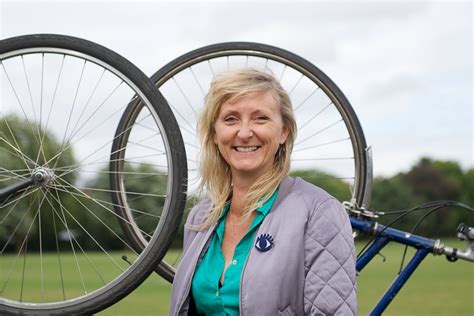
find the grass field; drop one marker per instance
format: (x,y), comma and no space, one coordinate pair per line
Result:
(438,287)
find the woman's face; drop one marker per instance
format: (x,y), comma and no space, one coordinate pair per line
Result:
(248,133)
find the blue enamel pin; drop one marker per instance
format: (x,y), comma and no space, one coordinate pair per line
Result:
(264,242)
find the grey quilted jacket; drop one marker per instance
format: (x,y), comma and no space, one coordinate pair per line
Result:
(310,270)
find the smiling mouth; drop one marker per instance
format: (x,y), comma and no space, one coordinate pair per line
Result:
(246,149)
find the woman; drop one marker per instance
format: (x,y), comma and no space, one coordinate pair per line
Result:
(263,243)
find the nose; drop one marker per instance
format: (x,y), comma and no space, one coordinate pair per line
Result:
(245,132)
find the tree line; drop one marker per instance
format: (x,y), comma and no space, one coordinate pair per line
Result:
(426,180)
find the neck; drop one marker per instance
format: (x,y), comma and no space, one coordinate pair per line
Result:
(240,187)
(242,181)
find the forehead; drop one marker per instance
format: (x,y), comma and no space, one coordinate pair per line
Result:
(260,101)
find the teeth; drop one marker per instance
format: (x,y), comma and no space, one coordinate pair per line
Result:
(246,149)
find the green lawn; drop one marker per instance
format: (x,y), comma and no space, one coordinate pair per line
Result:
(438,287)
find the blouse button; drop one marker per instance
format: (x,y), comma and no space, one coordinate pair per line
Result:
(234,262)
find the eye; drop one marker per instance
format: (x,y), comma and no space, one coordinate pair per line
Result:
(230,118)
(262,118)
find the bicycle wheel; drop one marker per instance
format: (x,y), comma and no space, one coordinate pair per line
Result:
(330,150)
(68,164)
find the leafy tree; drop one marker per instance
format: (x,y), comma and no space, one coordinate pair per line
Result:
(338,188)
(468,188)
(390,194)
(25,146)
(428,180)
(145,187)
(433,181)
(178,239)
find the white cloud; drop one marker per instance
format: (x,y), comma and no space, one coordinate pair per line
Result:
(405,66)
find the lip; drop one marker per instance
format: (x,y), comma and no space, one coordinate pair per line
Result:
(246,149)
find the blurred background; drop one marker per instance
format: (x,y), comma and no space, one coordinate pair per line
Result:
(406,67)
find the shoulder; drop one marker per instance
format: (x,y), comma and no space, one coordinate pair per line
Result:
(198,213)
(305,188)
(313,196)
(326,215)
(196,216)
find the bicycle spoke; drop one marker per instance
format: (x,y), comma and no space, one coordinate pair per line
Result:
(33,110)
(27,210)
(105,225)
(18,254)
(98,149)
(150,174)
(295,108)
(77,243)
(69,144)
(16,95)
(31,97)
(318,132)
(53,215)
(13,174)
(88,126)
(28,86)
(115,191)
(98,108)
(73,105)
(185,97)
(88,100)
(41,139)
(23,272)
(75,167)
(210,67)
(320,159)
(101,203)
(128,160)
(184,119)
(314,116)
(323,144)
(22,156)
(296,84)
(197,81)
(16,200)
(63,219)
(53,98)
(282,73)
(41,251)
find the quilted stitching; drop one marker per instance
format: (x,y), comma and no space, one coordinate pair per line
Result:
(329,249)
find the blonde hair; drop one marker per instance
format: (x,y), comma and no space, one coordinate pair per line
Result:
(215,172)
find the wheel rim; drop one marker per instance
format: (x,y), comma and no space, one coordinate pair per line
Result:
(197,68)
(60,242)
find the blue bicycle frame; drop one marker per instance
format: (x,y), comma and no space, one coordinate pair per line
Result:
(384,235)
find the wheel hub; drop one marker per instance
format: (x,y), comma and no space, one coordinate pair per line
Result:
(43,176)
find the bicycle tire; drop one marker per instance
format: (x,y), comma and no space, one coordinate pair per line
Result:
(80,60)
(224,56)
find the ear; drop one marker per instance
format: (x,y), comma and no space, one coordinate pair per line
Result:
(284,135)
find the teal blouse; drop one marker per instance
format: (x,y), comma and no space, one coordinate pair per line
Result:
(209,296)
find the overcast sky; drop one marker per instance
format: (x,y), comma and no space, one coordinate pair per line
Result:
(406,67)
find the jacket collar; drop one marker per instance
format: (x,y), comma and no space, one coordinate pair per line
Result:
(285,188)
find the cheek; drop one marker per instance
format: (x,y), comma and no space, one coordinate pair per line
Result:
(278,136)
